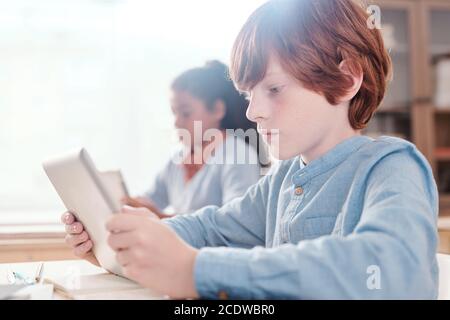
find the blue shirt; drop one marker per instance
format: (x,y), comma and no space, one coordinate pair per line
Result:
(227,174)
(357,223)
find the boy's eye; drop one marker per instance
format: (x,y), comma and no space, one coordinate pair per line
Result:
(275,90)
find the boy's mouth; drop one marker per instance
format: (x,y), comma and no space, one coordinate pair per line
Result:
(268,134)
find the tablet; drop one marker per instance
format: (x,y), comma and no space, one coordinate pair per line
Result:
(84,193)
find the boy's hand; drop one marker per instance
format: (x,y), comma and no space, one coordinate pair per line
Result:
(152,254)
(78,239)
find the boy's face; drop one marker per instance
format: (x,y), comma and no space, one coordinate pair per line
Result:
(293,120)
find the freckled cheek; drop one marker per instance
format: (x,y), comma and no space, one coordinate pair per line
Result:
(269,109)
(296,124)
(305,112)
(286,116)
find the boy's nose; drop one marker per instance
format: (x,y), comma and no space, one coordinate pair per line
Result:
(255,111)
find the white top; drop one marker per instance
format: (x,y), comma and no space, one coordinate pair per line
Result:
(228,173)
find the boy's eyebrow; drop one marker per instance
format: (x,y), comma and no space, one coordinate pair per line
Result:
(274,73)
(268,74)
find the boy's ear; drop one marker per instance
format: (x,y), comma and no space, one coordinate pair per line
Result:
(219,109)
(357,77)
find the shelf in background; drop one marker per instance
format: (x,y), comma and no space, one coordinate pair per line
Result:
(444,204)
(51,231)
(398,110)
(439,49)
(442,110)
(442,153)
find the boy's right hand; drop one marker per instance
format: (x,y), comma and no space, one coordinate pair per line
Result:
(78,239)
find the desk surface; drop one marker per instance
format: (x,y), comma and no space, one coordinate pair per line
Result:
(50,269)
(60,268)
(444,276)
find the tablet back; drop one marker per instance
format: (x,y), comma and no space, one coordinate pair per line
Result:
(83,192)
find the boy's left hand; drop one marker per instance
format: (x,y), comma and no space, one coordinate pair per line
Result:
(152,254)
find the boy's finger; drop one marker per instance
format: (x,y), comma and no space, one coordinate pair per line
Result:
(75,240)
(67,218)
(83,248)
(123,222)
(123,257)
(121,241)
(74,228)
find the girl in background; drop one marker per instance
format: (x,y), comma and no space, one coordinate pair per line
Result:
(206,96)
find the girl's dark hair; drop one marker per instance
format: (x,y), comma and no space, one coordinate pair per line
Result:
(212,83)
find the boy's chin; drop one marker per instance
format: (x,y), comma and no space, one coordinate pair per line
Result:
(281,154)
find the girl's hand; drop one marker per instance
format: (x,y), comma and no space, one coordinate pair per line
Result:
(78,239)
(152,254)
(141,202)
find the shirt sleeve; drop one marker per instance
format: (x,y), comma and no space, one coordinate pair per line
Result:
(239,223)
(389,255)
(158,193)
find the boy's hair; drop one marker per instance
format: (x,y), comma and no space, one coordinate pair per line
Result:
(311,38)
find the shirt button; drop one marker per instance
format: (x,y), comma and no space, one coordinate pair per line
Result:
(223,295)
(298,191)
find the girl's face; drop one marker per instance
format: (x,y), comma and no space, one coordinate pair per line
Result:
(189,110)
(294,120)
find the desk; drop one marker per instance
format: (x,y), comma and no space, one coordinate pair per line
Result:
(444,276)
(51,269)
(59,268)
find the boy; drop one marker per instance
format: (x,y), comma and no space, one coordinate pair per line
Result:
(342,216)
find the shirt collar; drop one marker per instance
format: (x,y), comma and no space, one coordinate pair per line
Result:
(330,159)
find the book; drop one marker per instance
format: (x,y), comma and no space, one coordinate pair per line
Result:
(100,286)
